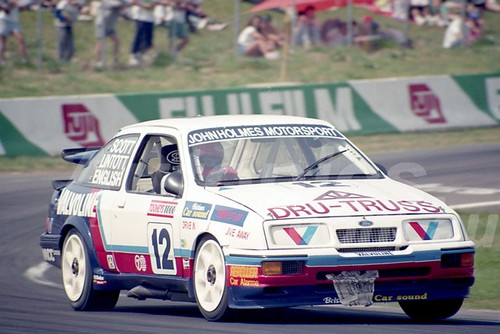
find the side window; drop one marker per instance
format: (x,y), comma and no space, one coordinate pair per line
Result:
(157,158)
(107,168)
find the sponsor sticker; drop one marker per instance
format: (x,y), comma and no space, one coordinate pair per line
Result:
(224,214)
(197,210)
(260,131)
(162,209)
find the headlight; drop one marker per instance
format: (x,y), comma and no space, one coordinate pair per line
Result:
(428,229)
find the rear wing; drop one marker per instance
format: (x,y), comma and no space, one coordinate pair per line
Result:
(79,155)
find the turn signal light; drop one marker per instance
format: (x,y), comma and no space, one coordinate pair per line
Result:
(272,268)
(467,260)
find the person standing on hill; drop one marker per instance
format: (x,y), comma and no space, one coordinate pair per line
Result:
(9,25)
(107,15)
(66,14)
(143,15)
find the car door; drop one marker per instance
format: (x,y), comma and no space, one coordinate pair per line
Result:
(145,228)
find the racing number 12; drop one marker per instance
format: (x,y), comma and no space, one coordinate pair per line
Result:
(163,262)
(161,249)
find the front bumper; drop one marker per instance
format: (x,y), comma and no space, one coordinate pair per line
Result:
(421,275)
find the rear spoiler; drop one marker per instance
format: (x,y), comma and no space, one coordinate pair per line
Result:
(79,155)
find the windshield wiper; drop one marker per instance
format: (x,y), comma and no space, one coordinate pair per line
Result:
(317,163)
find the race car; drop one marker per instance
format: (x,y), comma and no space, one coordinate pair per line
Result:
(250,211)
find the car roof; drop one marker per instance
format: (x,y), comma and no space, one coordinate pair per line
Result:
(192,123)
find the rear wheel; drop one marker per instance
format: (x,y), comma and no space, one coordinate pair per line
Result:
(429,310)
(77,277)
(210,280)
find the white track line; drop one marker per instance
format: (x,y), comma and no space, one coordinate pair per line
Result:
(37,272)
(474,205)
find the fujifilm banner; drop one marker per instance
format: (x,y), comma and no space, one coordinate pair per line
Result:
(45,126)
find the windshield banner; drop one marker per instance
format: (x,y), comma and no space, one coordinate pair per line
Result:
(260,131)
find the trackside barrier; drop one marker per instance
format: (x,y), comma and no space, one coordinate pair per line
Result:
(44,126)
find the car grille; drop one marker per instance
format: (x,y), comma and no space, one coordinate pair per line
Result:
(366,235)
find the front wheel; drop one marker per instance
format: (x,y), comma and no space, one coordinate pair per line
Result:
(429,310)
(77,277)
(210,280)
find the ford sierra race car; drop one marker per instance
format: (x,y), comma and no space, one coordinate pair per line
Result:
(250,211)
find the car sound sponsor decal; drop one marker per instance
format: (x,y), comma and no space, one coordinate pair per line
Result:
(229,215)
(262,131)
(77,204)
(162,209)
(303,239)
(425,234)
(197,210)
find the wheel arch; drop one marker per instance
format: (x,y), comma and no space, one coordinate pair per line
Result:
(79,224)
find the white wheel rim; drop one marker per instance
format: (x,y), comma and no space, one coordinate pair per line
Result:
(74,267)
(209,275)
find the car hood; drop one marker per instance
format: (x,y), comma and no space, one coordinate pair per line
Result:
(326,199)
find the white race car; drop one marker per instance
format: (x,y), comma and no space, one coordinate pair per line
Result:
(240,212)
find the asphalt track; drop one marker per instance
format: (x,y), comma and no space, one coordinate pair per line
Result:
(32,299)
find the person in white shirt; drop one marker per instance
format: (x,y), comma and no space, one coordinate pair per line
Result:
(9,25)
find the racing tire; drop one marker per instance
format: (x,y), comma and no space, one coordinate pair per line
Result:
(77,277)
(430,310)
(209,280)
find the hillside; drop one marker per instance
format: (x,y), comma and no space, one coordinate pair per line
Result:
(209,59)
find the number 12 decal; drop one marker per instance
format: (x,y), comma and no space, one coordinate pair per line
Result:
(161,249)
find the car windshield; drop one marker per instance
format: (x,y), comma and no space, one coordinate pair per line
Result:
(280,159)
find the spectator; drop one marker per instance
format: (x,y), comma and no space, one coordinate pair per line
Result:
(195,15)
(9,25)
(455,35)
(474,21)
(307,30)
(271,32)
(419,11)
(66,14)
(107,14)
(177,27)
(252,42)
(142,14)
(334,32)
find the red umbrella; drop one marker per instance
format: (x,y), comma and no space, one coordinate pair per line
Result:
(299,4)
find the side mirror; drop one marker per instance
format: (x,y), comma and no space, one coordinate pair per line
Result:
(174,183)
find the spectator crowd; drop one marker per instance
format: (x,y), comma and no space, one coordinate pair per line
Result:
(178,17)
(258,38)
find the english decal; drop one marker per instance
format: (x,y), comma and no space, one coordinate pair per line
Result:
(77,204)
(197,210)
(162,209)
(235,132)
(110,169)
(228,215)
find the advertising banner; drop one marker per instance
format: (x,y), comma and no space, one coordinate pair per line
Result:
(44,126)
